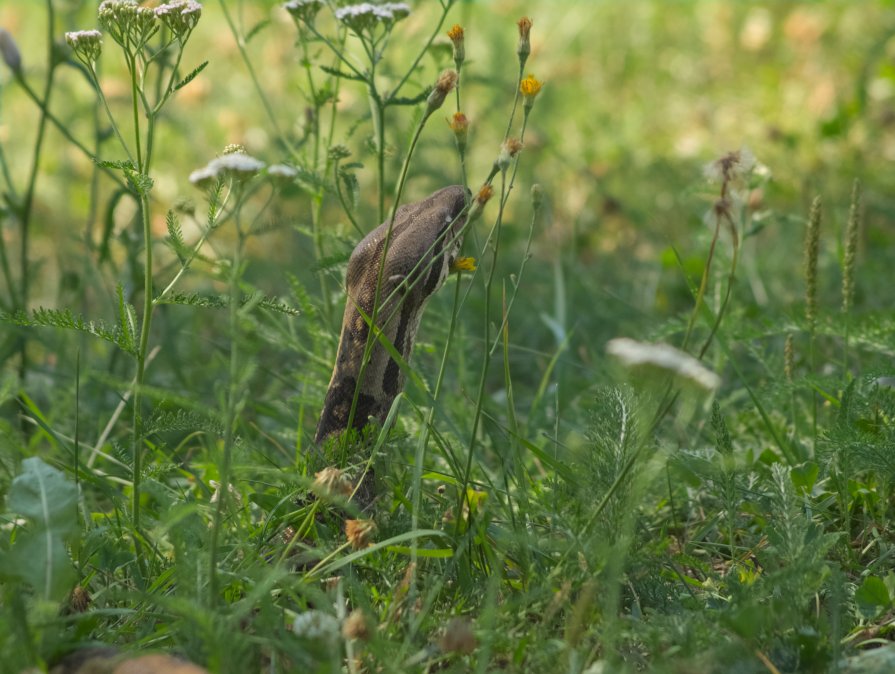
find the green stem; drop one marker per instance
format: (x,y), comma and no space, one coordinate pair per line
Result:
(28,203)
(486,361)
(231,412)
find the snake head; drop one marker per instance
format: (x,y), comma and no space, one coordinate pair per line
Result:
(424,240)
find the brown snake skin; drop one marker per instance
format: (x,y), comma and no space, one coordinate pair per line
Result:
(425,240)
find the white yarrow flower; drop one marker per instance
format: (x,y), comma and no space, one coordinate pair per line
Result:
(663,357)
(316,626)
(87,44)
(281,171)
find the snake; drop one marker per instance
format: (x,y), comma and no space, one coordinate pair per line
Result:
(399,265)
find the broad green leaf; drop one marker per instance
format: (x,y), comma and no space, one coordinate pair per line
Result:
(872,598)
(44,496)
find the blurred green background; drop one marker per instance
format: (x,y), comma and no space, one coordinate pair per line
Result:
(638,98)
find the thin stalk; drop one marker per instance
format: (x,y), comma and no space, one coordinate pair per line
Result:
(28,203)
(486,361)
(231,413)
(141,371)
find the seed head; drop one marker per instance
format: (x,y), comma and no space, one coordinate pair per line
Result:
(529,87)
(458,39)
(79,600)
(851,248)
(445,84)
(356,626)
(458,637)
(524,48)
(359,533)
(332,481)
(788,358)
(87,44)
(508,150)
(9,50)
(812,246)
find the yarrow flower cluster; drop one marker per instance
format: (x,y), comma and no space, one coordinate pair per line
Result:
(130,25)
(87,44)
(237,165)
(180,16)
(366,16)
(304,10)
(663,357)
(281,173)
(316,626)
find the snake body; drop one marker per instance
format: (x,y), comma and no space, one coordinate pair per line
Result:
(423,243)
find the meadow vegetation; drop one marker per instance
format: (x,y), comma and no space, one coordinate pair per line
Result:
(649,424)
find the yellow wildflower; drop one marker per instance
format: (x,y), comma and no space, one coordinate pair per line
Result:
(463,264)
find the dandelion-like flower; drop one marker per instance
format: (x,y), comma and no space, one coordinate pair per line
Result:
(445,84)
(459,124)
(366,16)
(529,87)
(524,47)
(86,44)
(304,10)
(478,203)
(458,40)
(180,16)
(332,481)
(463,264)
(9,51)
(663,357)
(316,625)
(130,25)
(359,533)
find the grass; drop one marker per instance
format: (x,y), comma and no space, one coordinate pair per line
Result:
(549,497)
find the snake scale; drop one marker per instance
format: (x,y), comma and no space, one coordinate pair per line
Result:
(412,261)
